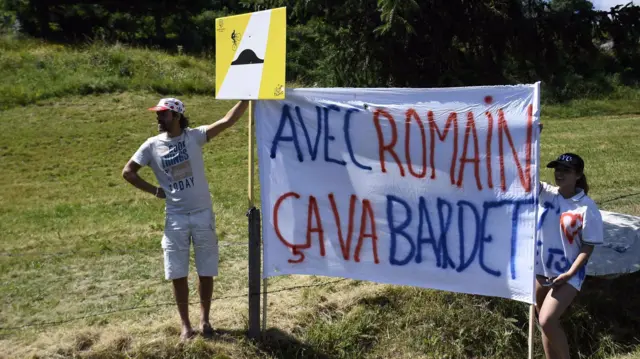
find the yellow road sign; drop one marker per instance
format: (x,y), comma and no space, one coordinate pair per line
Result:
(251,55)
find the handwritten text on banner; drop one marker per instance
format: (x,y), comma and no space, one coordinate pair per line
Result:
(432,188)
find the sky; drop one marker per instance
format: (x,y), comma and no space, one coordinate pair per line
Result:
(608,4)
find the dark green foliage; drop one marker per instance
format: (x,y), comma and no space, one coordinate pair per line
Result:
(575,50)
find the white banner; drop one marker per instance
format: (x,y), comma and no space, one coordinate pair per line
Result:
(432,188)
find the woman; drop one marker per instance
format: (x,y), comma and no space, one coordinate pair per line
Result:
(569,224)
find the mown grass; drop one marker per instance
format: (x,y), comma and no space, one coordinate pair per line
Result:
(622,101)
(61,192)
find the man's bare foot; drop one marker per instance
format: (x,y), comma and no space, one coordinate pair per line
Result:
(207,330)
(187,334)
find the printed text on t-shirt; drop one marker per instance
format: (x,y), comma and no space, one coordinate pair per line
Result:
(176,165)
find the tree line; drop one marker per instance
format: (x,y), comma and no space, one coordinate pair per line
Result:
(572,48)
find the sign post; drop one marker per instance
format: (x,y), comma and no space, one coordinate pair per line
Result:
(254,242)
(532,315)
(251,65)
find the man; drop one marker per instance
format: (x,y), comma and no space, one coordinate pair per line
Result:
(175,156)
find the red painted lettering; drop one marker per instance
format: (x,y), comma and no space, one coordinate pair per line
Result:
(471,128)
(529,147)
(489,134)
(367,211)
(411,113)
(345,247)
(313,210)
(433,128)
(315,225)
(294,248)
(394,138)
(503,130)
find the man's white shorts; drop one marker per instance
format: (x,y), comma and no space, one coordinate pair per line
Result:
(180,231)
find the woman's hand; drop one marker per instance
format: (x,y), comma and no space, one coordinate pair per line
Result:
(562,279)
(581,260)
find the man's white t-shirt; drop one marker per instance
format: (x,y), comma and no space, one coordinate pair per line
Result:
(564,224)
(179,168)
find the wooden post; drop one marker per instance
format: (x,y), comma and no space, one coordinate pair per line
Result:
(254,243)
(250,174)
(532,319)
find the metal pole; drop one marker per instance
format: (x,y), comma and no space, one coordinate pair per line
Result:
(254,273)
(264,303)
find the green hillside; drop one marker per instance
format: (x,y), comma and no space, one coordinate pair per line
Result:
(33,70)
(81,247)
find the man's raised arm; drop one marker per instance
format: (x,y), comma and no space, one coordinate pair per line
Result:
(228,120)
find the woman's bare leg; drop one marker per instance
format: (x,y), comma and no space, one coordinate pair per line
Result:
(555,304)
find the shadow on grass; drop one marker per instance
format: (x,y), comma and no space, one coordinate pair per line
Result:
(605,317)
(618,198)
(273,342)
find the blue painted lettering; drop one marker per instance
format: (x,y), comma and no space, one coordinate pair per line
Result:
(514,232)
(313,150)
(472,246)
(464,264)
(286,118)
(444,229)
(347,122)
(328,137)
(424,216)
(322,130)
(562,264)
(396,230)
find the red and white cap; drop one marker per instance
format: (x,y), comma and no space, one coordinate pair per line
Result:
(172,104)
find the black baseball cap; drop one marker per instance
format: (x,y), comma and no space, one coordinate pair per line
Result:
(570,160)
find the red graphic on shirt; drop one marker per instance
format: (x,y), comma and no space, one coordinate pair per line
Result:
(571,224)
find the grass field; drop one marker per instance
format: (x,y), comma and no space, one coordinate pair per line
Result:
(78,241)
